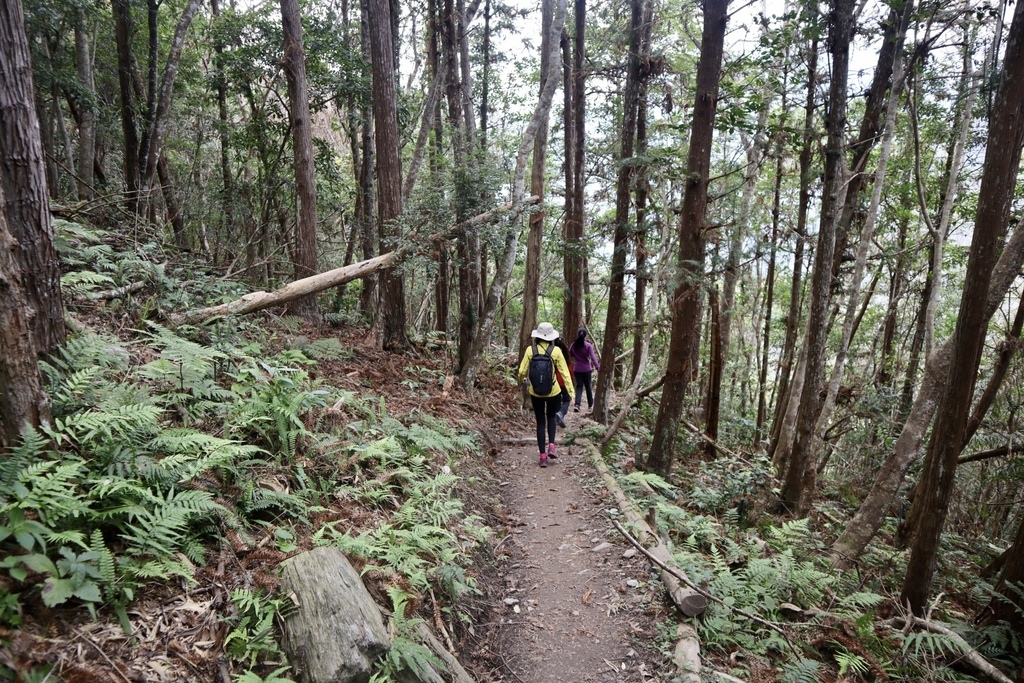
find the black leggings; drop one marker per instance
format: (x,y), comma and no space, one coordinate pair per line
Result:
(545,408)
(583,382)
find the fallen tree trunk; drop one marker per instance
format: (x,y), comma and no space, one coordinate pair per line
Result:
(257,301)
(686,654)
(689,601)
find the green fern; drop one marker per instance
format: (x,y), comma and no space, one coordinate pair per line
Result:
(327,348)
(802,671)
(926,643)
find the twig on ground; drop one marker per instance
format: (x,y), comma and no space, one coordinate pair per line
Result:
(970,655)
(682,577)
(81,636)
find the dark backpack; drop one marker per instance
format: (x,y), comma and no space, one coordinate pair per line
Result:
(542,371)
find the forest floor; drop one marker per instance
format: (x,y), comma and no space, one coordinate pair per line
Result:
(577,603)
(562,598)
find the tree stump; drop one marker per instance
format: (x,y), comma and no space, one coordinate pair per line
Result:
(337,632)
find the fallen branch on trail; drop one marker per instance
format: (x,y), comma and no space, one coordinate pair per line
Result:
(970,655)
(257,301)
(454,667)
(689,601)
(683,578)
(686,653)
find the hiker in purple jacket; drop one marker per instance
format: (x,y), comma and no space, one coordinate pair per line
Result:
(584,362)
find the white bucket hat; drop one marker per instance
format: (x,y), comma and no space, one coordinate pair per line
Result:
(545,331)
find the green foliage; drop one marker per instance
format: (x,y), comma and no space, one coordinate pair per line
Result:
(802,671)
(275,676)
(406,653)
(252,638)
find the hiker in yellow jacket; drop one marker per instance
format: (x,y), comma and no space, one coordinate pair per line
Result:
(546,379)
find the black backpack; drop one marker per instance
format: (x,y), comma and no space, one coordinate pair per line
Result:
(542,371)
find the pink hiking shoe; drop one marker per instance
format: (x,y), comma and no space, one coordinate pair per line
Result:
(543,459)
(551,452)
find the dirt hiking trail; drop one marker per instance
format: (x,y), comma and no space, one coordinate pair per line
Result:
(579,604)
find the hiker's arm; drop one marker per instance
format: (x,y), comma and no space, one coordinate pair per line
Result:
(562,368)
(524,365)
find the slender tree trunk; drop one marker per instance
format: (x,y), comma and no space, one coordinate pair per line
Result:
(569,255)
(785,391)
(938,368)
(642,191)
(223,127)
(122,10)
(897,279)
(690,258)
(304,252)
(368,295)
(158,115)
(851,317)
(769,301)
(535,236)
(755,154)
(87,114)
(391,315)
(713,403)
(998,181)
(620,240)
(507,259)
(575,247)
(955,156)
(840,34)
(174,213)
(894,30)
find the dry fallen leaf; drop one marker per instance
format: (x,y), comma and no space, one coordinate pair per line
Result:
(587,596)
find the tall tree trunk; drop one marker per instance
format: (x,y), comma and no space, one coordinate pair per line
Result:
(840,34)
(574,260)
(690,258)
(22,399)
(391,314)
(894,30)
(785,391)
(23,183)
(769,301)
(87,114)
(643,186)
(620,240)
(535,235)
(998,181)
(123,31)
(851,317)
(507,259)
(158,116)
(442,285)
(304,251)
(223,127)
(368,295)
(569,232)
